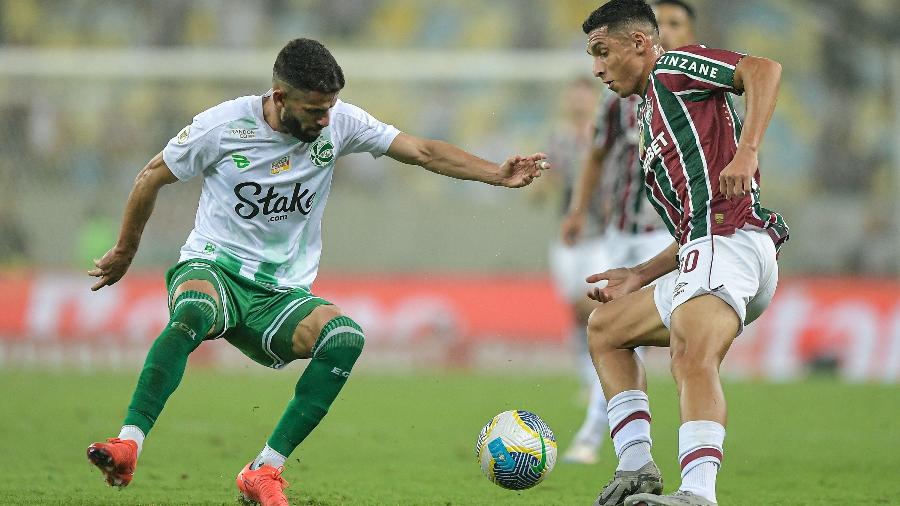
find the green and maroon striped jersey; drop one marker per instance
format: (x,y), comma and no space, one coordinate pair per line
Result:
(623,189)
(689,134)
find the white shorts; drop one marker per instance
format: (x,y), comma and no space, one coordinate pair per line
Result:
(570,265)
(740,269)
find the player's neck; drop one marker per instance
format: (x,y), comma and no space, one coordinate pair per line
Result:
(658,51)
(270,114)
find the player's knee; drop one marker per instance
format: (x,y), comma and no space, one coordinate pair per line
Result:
(690,361)
(695,349)
(198,289)
(583,309)
(310,329)
(341,343)
(193,313)
(602,335)
(196,285)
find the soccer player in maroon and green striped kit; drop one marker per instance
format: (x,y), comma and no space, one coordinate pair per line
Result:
(700,169)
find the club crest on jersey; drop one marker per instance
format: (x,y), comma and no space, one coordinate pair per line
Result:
(321,153)
(283,164)
(648,112)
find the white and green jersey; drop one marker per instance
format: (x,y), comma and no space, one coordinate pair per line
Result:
(264,192)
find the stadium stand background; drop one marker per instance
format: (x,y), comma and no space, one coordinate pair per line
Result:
(439,269)
(72,146)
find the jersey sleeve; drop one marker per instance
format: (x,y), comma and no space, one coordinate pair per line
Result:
(697,70)
(360,132)
(193,150)
(609,124)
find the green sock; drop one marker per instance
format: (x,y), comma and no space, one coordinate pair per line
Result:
(336,350)
(193,315)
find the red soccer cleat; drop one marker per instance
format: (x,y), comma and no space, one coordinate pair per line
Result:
(264,485)
(116,458)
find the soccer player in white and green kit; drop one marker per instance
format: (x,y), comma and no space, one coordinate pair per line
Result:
(245,272)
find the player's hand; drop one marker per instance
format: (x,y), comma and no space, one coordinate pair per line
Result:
(620,282)
(736,179)
(571,228)
(518,171)
(111,267)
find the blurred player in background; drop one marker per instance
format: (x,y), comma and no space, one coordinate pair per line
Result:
(571,264)
(632,233)
(701,171)
(246,269)
(677,23)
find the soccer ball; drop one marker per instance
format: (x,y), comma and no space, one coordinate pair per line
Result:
(516,449)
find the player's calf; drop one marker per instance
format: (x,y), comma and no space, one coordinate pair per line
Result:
(339,344)
(193,314)
(702,331)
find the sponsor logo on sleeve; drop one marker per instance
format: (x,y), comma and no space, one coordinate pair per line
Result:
(183,135)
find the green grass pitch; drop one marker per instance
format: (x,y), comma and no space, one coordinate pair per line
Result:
(408,440)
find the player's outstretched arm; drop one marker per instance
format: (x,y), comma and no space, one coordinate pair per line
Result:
(448,160)
(759,79)
(585,184)
(625,280)
(116,261)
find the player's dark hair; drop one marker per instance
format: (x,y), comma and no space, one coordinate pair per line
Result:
(692,14)
(307,65)
(618,13)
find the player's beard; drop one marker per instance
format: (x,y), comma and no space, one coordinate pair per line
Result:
(295,127)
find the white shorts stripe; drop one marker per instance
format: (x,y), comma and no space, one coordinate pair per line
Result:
(276,325)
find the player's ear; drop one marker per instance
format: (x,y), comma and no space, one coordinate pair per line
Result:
(641,41)
(278,96)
